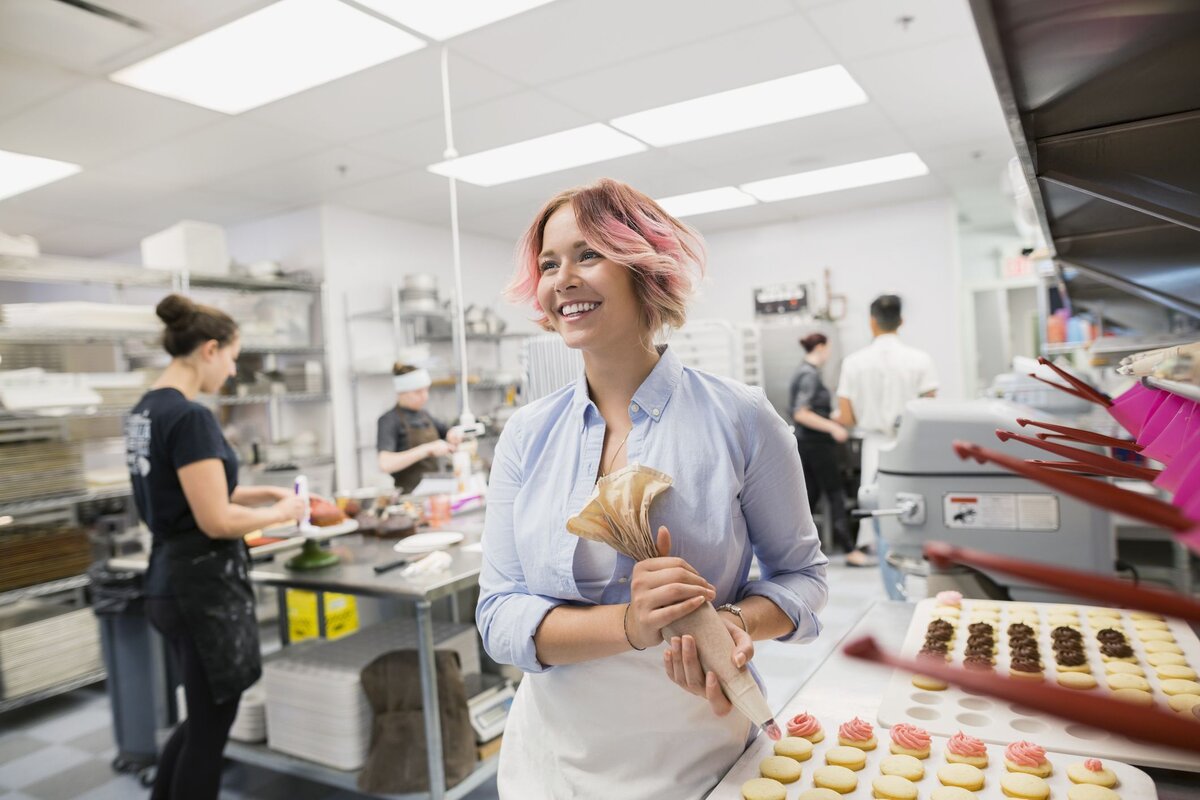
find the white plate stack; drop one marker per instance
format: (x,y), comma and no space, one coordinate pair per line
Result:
(250,724)
(315,704)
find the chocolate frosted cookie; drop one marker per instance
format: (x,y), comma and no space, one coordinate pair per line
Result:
(1071,658)
(1110,635)
(1116,650)
(1025,665)
(1020,629)
(980,627)
(977,661)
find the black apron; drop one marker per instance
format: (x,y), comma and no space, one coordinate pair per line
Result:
(211,582)
(407,479)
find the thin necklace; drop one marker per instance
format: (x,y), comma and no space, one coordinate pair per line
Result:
(613,460)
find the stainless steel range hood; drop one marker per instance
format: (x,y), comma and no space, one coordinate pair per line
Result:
(1102,99)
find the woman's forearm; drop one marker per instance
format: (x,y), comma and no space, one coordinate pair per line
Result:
(235,521)
(764,619)
(811,419)
(573,634)
(258,495)
(398,462)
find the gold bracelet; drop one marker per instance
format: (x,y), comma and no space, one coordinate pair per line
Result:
(625,628)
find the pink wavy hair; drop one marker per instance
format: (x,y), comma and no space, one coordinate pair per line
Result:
(625,226)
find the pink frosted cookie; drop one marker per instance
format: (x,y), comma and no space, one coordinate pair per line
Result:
(949,598)
(857,733)
(806,726)
(964,749)
(1027,757)
(909,740)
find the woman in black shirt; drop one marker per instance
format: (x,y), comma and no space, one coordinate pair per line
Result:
(409,438)
(184,477)
(817,435)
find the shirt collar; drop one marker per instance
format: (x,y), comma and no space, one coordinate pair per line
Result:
(886,339)
(654,393)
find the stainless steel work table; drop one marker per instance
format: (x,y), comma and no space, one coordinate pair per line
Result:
(844,687)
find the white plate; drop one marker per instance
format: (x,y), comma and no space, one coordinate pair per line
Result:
(428,542)
(329,531)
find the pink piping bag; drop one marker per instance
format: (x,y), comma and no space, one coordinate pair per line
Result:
(1167,443)
(1186,462)
(1135,405)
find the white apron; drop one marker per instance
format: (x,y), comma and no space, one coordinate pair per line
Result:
(614,727)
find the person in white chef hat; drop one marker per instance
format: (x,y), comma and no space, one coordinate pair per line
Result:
(596,715)
(409,439)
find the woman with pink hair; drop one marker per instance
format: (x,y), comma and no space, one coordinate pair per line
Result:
(607,269)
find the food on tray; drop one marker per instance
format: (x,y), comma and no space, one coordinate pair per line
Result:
(1024,786)
(857,733)
(780,768)
(909,740)
(1088,791)
(1127,681)
(1135,696)
(324,513)
(951,793)
(963,776)
(928,684)
(1077,680)
(964,749)
(1183,702)
(1092,770)
(1150,625)
(763,789)
(1163,659)
(1020,629)
(1136,615)
(949,598)
(794,747)
(1174,686)
(806,726)
(1127,667)
(1162,647)
(904,766)
(1156,636)
(845,756)
(893,787)
(839,779)
(819,794)
(1027,757)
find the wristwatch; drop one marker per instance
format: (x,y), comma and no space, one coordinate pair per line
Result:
(737,612)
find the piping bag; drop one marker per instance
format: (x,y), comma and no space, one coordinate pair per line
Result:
(300,488)
(618,514)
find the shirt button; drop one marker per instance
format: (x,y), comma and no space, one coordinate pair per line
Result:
(633,408)
(654,412)
(623,579)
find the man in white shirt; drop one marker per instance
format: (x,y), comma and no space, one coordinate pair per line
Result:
(875,385)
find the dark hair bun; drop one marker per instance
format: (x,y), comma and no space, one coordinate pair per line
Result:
(175,310)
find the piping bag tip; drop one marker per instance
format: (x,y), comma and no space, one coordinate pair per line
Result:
(772,730)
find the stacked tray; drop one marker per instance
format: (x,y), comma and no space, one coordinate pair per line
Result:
(315,704)
(1130,783)
(250,724)
(39,469)
(1151,668)
(31,554)
(42,646)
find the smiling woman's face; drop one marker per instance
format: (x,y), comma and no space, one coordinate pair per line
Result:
(588,299)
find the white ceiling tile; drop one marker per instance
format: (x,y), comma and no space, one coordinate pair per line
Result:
(495,123)
(858,28)
(958,129)
(967,155)
(24,82)
(927,84)
(571,37)
(204,205)
(232,145)
(90,239)
(101,195)
(98,121)
(16,222)
(65,35)
(781,47)
(310,178)
(394,94)
(185,16)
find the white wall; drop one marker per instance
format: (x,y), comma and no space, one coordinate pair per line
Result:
(910,249)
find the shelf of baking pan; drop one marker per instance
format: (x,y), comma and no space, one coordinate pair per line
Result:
(40,504)
(61,269)
(70,685)
(44,589)
(32,335)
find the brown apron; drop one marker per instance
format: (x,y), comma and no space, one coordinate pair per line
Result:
(407,479)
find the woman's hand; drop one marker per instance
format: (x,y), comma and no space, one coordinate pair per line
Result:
(683,665)
(661,591)
(839,434)
(438,447)
(290,508)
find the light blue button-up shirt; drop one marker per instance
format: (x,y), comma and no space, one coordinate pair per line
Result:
(738,492)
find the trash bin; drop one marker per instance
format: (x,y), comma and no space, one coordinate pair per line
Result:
(133,669)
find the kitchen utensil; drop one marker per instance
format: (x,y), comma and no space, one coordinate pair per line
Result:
(428,542)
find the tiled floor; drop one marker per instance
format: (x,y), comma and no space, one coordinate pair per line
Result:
(61,749)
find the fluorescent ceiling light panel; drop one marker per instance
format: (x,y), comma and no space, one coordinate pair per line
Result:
(20,173)
(833,179)
(545,154)
(275,52)
(686,205)
(443,19)
(779,100)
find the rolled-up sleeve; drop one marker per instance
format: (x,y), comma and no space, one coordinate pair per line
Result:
(508,614)
(780,525)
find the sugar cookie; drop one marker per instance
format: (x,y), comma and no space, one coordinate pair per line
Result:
(1135,615)
(1135,696)
(780,768)
(1161,659)
(806,726)
(962,775)
(928,684)
(1183,702)
(763,789)
(845,756)
(1024,786)
(1150,625)
(819,794)
(1176,686)
(893,787)
(1114,667)
(1125,681)
(1156,636)
(840,779)
(1027,757)
(1092,770)
(1162,647)
(964,749)
(909,740)
(1177,672)
(794,747)
(857,733)
(1090,791)
(1077,680)
(905,766)
(951,793)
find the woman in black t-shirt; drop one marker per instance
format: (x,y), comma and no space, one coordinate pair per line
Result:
(184,477)
(816,434)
